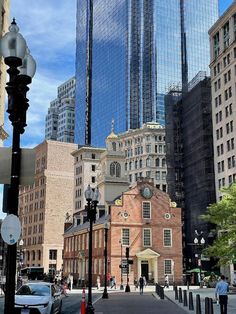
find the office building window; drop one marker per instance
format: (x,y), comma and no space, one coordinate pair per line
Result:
(93,167)
(53,254)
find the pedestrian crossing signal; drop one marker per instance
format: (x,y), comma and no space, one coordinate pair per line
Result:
(127,252)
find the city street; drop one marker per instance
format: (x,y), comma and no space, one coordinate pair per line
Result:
(127,303)
(133,302)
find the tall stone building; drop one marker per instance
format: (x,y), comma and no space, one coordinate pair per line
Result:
(44,206)
(86,160)
(223,80)
(4,22)
(145,154)
(223,86)
(59,124)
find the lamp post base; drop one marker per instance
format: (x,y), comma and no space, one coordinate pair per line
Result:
(105,294)
(90,309)
(127,288)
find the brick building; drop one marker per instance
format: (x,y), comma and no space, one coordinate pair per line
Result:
(143,219)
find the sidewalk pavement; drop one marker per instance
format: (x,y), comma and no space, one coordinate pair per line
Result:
(203,292)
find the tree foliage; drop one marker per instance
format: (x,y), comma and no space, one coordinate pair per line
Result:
(223,216)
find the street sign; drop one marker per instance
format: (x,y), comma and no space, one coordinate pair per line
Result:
(11,229)
(27,170)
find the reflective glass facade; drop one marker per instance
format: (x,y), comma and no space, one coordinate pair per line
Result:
(108,71)
(182,43)
(141,49)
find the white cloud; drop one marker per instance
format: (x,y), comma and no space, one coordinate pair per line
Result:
(49,28)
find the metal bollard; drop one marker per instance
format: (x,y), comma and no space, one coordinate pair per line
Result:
(180,296)
(198,304)
(211,309)
(176,293)
(206,305)
(162,296)
(185,298)
(190,303)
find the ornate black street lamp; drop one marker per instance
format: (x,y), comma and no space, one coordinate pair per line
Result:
(121,265)
(21,70)
(106,228)
(199,242)
(92,199)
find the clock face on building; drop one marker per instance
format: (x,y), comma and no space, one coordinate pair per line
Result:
(146,192)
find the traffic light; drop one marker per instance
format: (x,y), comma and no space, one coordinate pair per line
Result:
(127,252)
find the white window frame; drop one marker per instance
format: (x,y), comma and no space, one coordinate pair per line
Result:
(150,230)
(123,238)
(167,229)
(150,209)
(171,267)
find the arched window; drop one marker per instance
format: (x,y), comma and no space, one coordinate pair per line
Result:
(163,163)
(140,163)
(126,166)
(39,255)
(148,162)
(157,162)
(33,255)
(136,164)
(115,169)
(112,169)
(130,165)
(118,170)
(113,146)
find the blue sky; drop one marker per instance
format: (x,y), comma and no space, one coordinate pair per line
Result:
(49,29)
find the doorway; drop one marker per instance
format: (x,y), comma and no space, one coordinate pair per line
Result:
(144,269)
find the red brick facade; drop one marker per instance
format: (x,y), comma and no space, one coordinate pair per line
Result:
(155,242)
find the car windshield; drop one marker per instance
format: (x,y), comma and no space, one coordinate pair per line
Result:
(29,289)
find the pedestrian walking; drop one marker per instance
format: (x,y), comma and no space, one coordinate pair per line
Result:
(141,283)
(166,281)
(221,293)
(113,282)
(144,281)
(98,282)
(65,289)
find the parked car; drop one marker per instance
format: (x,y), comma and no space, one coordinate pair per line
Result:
(43,297)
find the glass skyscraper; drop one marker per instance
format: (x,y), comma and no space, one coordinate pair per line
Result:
(141,49)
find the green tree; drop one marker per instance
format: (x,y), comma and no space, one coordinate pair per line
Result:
(223,216)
